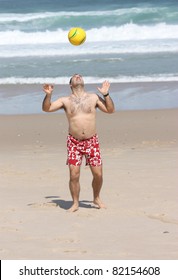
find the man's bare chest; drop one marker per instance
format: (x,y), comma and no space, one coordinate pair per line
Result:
(81,105)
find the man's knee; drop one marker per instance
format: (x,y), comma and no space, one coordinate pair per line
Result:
(97,173)
(98,176)
(74,174)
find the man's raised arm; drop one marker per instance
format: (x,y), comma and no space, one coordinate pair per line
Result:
(47,105)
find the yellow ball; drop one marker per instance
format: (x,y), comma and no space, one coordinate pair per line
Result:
(77,36)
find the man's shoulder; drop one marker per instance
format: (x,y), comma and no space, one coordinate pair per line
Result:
(65,98)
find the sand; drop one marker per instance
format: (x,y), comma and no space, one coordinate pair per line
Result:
(140,162)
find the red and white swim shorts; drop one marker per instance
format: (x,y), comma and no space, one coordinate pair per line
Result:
(89,148)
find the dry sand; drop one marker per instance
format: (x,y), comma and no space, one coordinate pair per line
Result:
(140,156)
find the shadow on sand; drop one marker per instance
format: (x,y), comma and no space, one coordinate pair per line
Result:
(65,204)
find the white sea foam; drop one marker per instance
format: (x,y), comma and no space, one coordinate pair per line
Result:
(125,32)
(90,80)
(24,45)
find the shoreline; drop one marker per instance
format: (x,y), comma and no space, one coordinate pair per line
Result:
(14,88)
(27,99)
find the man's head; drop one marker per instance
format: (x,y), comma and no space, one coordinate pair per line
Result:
(76,80)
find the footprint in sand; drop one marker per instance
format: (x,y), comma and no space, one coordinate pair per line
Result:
(9,229)
(43,205)
(66,240)
(162,218)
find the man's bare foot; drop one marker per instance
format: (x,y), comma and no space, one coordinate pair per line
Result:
(99,203)
(73,208)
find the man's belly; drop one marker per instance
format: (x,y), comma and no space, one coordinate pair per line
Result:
(82,128)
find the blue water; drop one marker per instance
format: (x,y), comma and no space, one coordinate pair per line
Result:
(127,41)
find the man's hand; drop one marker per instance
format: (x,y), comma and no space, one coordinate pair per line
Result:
(48,89)
(105,88)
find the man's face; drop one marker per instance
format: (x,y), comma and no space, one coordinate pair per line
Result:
(76,80)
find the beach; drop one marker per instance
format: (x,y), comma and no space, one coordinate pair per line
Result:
(140,152)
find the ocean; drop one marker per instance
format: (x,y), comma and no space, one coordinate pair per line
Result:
(128,42)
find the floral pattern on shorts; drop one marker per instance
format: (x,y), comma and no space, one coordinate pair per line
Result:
(89,148)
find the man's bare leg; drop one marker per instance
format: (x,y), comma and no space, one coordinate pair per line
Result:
(97,184)
(74,186)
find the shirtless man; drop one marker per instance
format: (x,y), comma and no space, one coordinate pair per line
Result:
(80,108)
